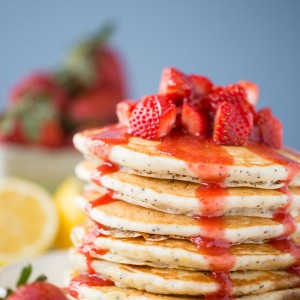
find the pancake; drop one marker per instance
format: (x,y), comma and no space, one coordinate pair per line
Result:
(179,254)
(182,282)
(127,217)
(189,158)
(85,292)
(179,197)
(294,155)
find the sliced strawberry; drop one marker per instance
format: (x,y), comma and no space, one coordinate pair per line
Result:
(175,85)
(232,124)
(255,134)
(202,86)
(153,117)
(263,116)
(252,91)
(234,94)
(270,128)
(124,110)
(193,120)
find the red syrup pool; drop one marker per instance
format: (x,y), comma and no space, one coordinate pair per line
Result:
(207,160)
(87,279)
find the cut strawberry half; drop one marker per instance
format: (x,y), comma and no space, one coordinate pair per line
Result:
(232,124)
(153,117)
(175,85)
(124,110)
(252,91)
(270,128)
(202,86)
(234,94)
(193,120)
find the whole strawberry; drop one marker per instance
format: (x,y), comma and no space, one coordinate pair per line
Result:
(38,290)
(34,114)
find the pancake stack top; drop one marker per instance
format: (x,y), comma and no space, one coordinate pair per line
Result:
(190,196)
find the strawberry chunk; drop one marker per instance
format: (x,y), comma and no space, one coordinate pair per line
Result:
(270,128)
(124,110)
(153,117)
(233,93)
(232,124)
(202,86)
(193,120)
(175,85)
(252,91)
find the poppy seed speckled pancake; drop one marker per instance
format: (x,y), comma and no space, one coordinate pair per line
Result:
(178,253)
(86,292)
(189,158)
(128,217)
(183,282)
(179,197)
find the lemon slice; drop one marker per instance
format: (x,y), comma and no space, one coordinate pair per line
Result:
(28,219)
(69,214)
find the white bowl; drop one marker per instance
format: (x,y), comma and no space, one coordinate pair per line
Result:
(47,167)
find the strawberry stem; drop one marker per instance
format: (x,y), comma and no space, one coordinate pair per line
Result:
(25,274)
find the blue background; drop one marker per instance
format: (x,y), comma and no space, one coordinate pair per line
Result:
(226,40)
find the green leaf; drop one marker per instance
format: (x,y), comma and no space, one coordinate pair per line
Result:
(41,278)
(25,274)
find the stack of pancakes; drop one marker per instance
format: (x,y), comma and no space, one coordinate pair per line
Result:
(183,218)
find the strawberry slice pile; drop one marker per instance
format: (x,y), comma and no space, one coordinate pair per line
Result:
(226,114)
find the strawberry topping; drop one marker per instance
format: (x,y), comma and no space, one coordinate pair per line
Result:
(194,121)
(233,93)
(202,86)
(175,85)
(252,91)
(270,128)
(153,117)
(232,124)
(192,103)
(124,110)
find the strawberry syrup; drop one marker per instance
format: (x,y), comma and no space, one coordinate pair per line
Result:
(101,143)
(87,279)
(267,153)
(88,248)
(206,159)
(107,167)
(285,243)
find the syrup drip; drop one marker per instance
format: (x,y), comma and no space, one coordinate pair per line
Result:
(89,280)
(100,144)
(287,245)
(206,159)
(212,199)
(282,214)
(225,285)
(213,243)
(104,199)
(267,153)
(87,244)
(107,167)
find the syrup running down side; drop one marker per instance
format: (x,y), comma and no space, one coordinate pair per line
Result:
(87,279)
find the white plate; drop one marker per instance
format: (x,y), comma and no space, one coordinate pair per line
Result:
(53,264)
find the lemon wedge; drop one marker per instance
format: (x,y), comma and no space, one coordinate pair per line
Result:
(69,214)
(28,219)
